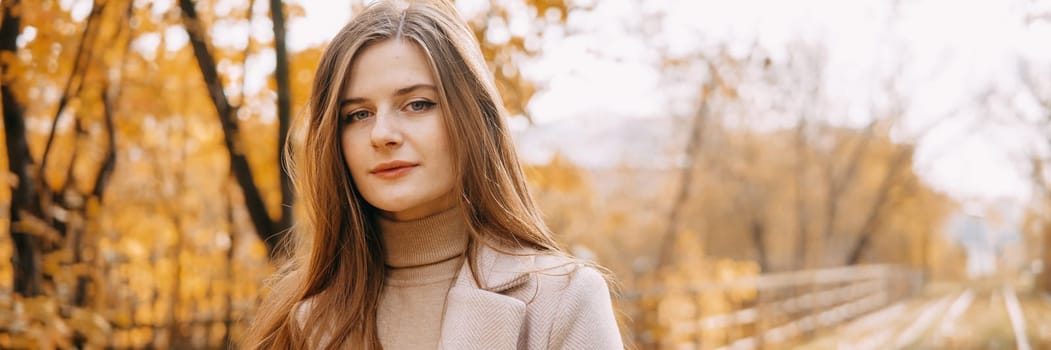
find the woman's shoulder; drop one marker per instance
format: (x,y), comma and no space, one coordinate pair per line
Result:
(568,271)
(569,297)
(543,274)
(552,270)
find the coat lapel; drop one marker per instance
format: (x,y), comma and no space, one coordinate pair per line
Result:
(483,317)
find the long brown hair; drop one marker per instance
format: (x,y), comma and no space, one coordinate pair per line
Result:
(338,253)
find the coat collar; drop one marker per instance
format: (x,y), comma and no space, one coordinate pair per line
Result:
(483,316)
(497,271)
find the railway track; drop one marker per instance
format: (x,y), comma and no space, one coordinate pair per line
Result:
(971,317)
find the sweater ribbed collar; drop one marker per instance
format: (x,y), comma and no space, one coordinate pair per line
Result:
(425,241)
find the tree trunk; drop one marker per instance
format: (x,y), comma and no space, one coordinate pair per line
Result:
(837,183)
(284,110)
(693,146)
(267,230)
(1045,284)
(876,213)
(231,260)
(74,83)
(801,259)
(28,277)
(759,236)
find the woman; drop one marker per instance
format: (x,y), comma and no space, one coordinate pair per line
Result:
(419,231)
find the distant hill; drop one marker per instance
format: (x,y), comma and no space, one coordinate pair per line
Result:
(597,142)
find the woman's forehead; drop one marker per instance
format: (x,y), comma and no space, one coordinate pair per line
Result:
(386,67)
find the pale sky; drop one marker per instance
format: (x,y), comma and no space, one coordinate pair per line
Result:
(945,51)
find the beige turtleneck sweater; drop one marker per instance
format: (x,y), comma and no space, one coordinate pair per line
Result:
(422,260)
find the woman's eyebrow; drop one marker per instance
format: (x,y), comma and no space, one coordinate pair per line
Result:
(347,101)
(409,89)
(400,92)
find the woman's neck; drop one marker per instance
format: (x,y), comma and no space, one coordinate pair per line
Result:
(424,241)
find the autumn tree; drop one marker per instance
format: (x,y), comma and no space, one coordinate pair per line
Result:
(268,229)
(100,97)
(24,201)
(59,191)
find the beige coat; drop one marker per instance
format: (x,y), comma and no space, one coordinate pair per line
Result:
(529,302)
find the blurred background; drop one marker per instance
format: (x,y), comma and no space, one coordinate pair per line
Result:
(768,174)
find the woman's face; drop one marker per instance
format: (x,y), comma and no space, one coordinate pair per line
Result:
(393,138)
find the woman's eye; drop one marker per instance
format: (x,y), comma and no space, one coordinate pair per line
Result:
(420,106)
(356,115)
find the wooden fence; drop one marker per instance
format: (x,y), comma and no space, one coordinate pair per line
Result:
(769,311)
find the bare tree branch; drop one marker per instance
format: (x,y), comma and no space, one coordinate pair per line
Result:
(837,184)
(876,213)
(284,110)
(75,81)
(266,229)
(801,213)
(244,55)
(693,146)
(110,97)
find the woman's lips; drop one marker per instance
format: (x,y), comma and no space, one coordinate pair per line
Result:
(394,173)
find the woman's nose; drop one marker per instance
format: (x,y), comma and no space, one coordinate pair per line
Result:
(385,131)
